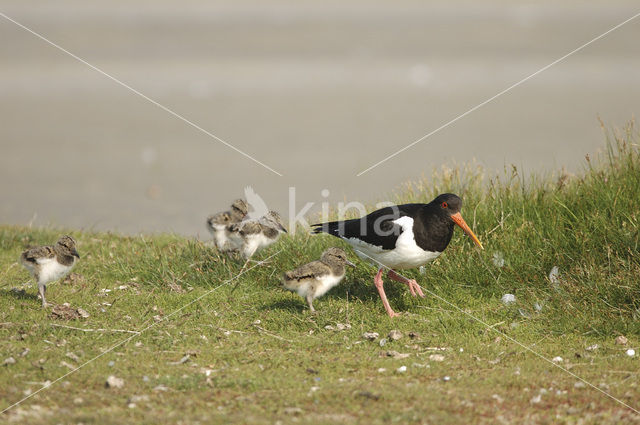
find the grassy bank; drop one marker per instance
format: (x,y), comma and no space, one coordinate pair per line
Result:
(257,356)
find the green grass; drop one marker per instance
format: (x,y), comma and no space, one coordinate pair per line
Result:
(257,356)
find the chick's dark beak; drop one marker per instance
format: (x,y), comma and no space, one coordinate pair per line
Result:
(349,263)
(75,253)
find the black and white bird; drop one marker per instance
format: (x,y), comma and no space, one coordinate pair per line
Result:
(402,237)
(251,235)
(314,279)
(217,223)
(50,263)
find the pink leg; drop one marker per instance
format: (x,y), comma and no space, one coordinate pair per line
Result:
(378,282)
(411,283)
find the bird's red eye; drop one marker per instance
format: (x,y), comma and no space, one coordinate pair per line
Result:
(445,205)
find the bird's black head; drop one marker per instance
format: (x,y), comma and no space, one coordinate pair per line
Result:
(448,203)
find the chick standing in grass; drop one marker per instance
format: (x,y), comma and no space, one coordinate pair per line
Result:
(50,263)
(251,235)
(217,223)
(314,279)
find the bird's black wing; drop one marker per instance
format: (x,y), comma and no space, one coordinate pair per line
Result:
(376,228)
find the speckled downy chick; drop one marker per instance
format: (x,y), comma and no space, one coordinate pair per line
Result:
(250,236)
(50,263)
(314,279)
(217,223)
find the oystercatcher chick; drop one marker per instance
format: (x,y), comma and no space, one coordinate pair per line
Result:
(314,279)
(50,263)
(402,237)
(250,236)
(217,223)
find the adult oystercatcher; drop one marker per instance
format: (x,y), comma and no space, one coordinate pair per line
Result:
(402,237)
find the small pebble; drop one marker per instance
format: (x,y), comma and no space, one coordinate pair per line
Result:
(631,352)
(382,342)
(329,327)
(397,355)
(557,359)
(292,411)
(111,363)
(401,369)
(436,357)
(371,336)
(113,382)
(446,378)
(9,360)
(621,340)
(579,384)
(381,370)
(73,356)
(395,335)
(508,299)
(536,399)
(593,347)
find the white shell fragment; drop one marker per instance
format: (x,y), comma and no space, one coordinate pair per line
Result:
(553,275)
(508,299)
(498,259)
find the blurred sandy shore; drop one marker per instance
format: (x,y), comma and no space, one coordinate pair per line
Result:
(317,90)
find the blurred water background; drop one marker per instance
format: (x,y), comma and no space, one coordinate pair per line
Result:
(318,91)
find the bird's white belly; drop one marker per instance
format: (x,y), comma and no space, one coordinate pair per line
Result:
(322,285)
(219,235)
(406,254)
(326,283)
(51,270)
(255,242)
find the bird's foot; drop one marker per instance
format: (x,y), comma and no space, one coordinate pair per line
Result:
(392,313)
(414,288)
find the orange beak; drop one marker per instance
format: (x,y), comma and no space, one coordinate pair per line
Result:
(457,218)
